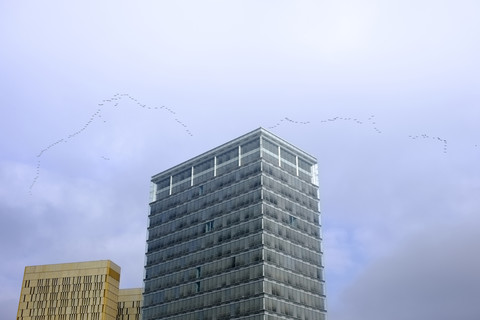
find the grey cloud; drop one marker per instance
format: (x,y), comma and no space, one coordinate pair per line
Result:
(432,276)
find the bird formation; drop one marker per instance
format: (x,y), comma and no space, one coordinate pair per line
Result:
(288,120)
(355,120)
(425,136)
(97,115)
(48,147)
(373,123)
(370,121)
(119,96)
(37,173)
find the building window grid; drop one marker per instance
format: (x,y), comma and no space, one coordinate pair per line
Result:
(203,256)
(290,193)
(190,178)
(200,212)
(218,269)
(209,202)
(249,309)
(290,213)
(298,222)
(278,309)
(288,153)
(245,174)
(191,224)
(291,235)
(291,249)
(274,158)
(284,207)
(223,222)
(188,235)
(244,292)
(293,279)
(290,181)
(168,249)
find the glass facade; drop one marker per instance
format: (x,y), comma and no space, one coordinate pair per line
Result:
(235,234)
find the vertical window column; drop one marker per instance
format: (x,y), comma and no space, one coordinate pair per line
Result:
(296,164)
(239,156)
(153,192)
(215,166)
(191,178)
(314,174)
(279,157)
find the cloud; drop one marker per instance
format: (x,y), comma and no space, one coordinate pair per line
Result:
(226,68)
(434,275)
(68,219)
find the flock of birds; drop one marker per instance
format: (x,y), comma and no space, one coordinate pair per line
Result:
(117,98)
(96,116)
(426,136)
(355,120)
(370,121)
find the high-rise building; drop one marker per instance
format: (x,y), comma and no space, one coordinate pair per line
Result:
(76,291)
(234,233)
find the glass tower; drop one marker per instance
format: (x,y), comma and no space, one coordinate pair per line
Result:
(234,233)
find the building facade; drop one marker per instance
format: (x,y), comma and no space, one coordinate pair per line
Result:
(234,233)
(77,291)
(129,304)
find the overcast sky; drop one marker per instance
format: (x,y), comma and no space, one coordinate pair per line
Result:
(98,97)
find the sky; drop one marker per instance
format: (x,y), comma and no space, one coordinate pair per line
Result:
(97,97)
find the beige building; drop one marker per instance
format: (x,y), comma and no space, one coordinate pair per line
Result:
(76,291)
(129,304)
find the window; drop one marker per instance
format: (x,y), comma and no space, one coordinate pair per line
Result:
(209,226)
(292,220)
